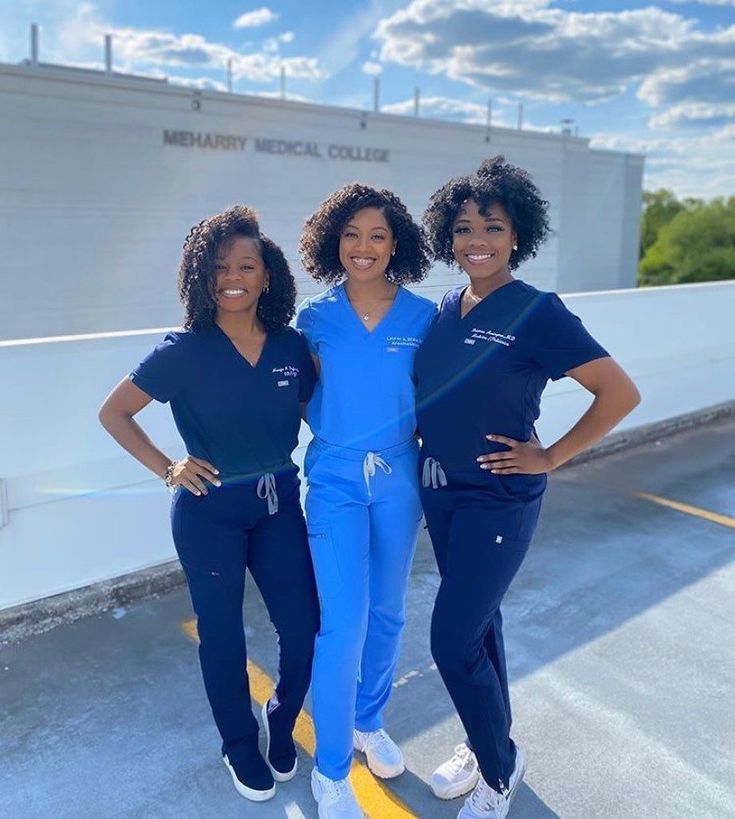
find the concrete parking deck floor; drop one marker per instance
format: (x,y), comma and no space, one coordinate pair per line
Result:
(620,632)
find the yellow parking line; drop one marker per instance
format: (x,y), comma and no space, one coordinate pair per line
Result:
(713,517)
(374,797)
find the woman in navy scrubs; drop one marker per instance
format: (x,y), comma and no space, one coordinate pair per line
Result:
(362,503)
(236,378)
(480,374)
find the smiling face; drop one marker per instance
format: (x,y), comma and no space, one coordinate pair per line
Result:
(239,275)
(366,245)
(482,244)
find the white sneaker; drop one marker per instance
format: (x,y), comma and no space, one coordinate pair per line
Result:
(384,757)
(457,776)
(335,797)
(487,803)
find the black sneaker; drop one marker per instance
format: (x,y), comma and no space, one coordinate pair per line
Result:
(250,774)
(280,752)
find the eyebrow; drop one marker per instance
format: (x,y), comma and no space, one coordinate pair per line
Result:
(241,259)
(490,218)
(353,225)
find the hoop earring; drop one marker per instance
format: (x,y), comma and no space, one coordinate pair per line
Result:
(265,290)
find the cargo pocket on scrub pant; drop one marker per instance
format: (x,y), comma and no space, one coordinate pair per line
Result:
(326,567)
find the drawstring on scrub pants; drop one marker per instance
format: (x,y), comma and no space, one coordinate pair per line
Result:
(267,491)
(373,459)
(433,475)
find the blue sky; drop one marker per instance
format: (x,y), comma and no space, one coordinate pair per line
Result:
(655,77)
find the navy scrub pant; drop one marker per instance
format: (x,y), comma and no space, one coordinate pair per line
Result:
(218,536)
(478,551)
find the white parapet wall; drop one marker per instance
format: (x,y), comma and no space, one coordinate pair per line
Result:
(77,510)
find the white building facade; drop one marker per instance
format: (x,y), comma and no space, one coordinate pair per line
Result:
(101,177)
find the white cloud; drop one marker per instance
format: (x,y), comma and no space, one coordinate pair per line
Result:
(372,69)
(706,2)
(255,19)
(552,54)
(693,114)
(692,165)
(448,108)
(201,83)
(137,49)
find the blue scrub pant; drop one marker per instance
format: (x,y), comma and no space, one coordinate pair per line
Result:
(363,512)
(478,552)
(218,536)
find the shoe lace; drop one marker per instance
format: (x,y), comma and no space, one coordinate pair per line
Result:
(380,740)
(461,757)
(337,789)
(484,798)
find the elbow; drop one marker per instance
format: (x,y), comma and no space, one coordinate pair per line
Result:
(633,396)
(106,416)
(102,416)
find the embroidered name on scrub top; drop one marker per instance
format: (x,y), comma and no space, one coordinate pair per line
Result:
(365,397)
(478,334)
(243,419)
(485,373)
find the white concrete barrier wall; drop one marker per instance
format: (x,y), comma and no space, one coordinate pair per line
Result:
(78,510)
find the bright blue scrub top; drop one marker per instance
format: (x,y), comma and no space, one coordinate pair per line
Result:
(244,420)
(484,374)
(365,396)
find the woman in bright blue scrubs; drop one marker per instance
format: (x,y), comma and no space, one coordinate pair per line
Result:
(480,374)
(362,502)
(236,378)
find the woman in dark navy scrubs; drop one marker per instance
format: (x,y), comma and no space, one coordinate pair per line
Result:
(236,377)
(480,374)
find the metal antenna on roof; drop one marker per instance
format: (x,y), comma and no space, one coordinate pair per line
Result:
(34,44)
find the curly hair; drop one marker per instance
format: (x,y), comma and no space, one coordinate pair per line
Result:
(196,272)
(319,245)
(494,181)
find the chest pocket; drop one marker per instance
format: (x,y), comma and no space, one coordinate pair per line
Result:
(284,382)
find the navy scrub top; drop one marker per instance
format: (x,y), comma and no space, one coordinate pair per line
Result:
(484,374)
(244,420)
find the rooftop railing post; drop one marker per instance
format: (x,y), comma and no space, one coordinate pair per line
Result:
(34,44)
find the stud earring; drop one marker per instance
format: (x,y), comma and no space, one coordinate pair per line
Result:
(515,246)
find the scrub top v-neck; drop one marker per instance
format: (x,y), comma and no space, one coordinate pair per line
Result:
(243,418)
(484,373)
(365,396)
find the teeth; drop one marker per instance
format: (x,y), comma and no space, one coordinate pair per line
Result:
(479,257)
(362,262)
(233,292)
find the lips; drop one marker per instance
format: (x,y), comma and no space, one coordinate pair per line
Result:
(479,258)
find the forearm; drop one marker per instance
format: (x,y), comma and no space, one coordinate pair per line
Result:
(131,437)
(606,411)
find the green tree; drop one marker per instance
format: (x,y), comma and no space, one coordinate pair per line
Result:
(696,245)
(659,208)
